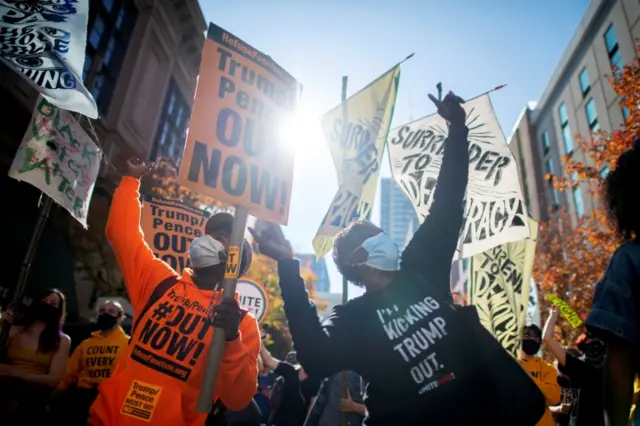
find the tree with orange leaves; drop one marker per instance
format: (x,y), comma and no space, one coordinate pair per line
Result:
(569,262)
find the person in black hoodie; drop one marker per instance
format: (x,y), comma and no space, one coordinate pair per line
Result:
(397,334)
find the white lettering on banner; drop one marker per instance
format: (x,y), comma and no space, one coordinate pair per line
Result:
(494,209)
(415,331)
(45,41)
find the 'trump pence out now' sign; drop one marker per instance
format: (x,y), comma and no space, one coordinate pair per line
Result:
(169,227)
(59,158)
(253,297)
(233,152)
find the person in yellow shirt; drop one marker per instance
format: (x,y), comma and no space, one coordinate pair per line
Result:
(91,363)
(542,373)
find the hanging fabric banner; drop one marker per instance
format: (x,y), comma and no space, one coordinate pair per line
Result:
(499,283)
(495,213)
(59,158)
(45,41)
(356,147)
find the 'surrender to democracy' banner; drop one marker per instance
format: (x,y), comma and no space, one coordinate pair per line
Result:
(499,284)
(495,212)
(44,41)
(169,227)
(356,147)
(59,158)
(233,151)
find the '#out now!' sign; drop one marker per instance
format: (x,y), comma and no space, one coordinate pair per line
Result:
(233,152)
(253,297)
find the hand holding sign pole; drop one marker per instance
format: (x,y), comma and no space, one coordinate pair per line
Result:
(205,399)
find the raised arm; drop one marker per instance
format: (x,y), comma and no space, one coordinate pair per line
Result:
(141,270)
(556,349)
(431,249)
(322,349)
(238,379)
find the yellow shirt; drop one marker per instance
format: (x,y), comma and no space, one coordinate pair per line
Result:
(636,389)
(546,377)
(94,360)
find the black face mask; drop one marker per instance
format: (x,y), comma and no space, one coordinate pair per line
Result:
(530,346)
(45,312)
(106,322)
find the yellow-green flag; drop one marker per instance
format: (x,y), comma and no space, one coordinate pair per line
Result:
(499,283)
(356,146)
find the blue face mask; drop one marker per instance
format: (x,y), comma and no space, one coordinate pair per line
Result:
(384,254)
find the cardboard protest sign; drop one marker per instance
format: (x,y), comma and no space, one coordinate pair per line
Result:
(566,311)
(169,227)
(357,147)
(253,297)
(499,284)
(44,41)
(495,212)
(233,152)
(59,158)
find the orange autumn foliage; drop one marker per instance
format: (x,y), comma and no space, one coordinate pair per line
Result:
(570,261)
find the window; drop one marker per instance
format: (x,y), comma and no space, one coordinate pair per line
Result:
(523,168)
(548,166)
(556,198)
(566,129)
(604,172)
(625,113)
(613,50)
(546,145)
(578,202)
(585,86)
(110,27)
(592,115)
(172,129)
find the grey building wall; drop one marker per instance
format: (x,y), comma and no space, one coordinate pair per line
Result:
(586,50)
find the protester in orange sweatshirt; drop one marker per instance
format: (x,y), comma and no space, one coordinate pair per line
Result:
(542,373)
(158,379)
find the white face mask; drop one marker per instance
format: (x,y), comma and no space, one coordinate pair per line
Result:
(384,254)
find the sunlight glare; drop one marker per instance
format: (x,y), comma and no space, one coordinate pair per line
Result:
(301,132)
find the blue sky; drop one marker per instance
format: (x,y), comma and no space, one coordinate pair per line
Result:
(468,45)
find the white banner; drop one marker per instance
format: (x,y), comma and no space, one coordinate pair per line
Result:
(45,41)
(356,146)
(495,212)
(58,157)
(533,310)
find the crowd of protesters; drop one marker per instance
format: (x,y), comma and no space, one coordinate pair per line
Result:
(404,353)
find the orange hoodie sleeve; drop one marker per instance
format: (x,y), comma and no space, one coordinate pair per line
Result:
(141,270)
(238,376)
(74,369)
(548,384)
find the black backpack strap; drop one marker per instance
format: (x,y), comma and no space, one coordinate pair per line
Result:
(157,294)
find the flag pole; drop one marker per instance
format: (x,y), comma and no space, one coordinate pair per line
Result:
(344,420)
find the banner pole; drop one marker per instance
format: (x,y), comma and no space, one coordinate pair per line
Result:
(43,215)
(214,356)
(345,283)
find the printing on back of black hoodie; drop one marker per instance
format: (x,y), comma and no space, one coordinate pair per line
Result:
(395,338)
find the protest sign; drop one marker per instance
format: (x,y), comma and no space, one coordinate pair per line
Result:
(253,297)
(233,151)
(169,227)
(59,158)
(494,208)
(566,311)
(499,284)
(356,147)
(44,41)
